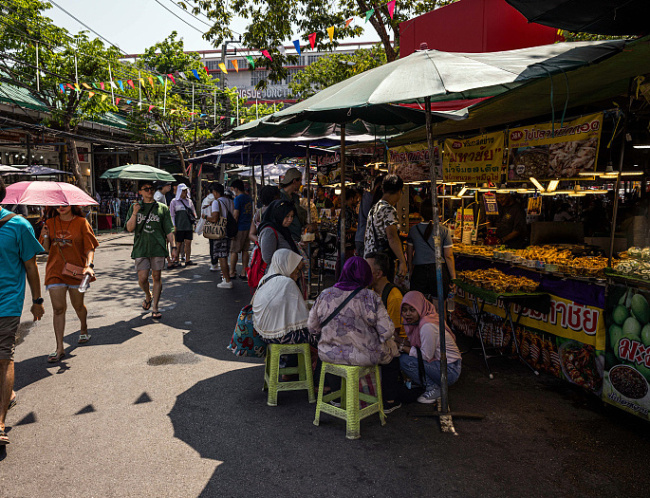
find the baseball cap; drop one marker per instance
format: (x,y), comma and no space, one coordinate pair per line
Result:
(291,175)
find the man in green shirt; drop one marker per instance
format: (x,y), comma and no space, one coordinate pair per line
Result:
(152,224)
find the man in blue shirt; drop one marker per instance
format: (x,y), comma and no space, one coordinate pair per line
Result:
(18,250)
(244,216)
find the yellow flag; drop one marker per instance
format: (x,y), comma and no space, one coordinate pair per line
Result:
(76,86)
(86,85)
(222,66)
(235,64)
(330,32)
(172,111)
(142,81)
(90,94)
(104,97)
(151,81)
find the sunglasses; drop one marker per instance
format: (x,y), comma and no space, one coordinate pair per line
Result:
(147,189)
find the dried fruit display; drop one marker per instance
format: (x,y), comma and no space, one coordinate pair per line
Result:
(497,281)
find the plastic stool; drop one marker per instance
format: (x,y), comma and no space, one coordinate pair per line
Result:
(273,371)
(350,396)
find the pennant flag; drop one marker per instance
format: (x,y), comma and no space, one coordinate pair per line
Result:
(296,43)
(91,94)
(101,83)
(62,87)
(86,85)
(104,97)
(151,81)
(222,66)
(312,40)
(117,101)
(282,50)
(347,23)
(235,64)
(171,77)
(206,70)
(150,107)
(69,86)
(76,87)
(222,117)
(95,85)
(391,8)
(128,102)
(130,82)
(113,85)
(330,33)
(172,111)
(266,54)
(251,61)
(119,82)
(196,73)
(141,80)
(369,14)
(161,79)
(232,120)
(182,74)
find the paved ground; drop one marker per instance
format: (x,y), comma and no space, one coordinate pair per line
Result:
(163,409)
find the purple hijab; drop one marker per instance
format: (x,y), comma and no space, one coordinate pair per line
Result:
(356,273)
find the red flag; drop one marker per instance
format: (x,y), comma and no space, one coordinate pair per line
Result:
(130,82)
(101,84)
(312,40)
(172,78)
(69,86)
(266,54)
(206,69)
(391,8)
(150,107)
(347,23)
(117,101)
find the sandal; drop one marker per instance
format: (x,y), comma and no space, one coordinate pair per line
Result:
(12,403)
(190,263)
(156,315)
(146,304)
(55,357)
(4,439)
(83,338)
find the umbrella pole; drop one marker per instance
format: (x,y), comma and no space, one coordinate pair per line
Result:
(309,220)
(616,195)
(262,168)
(342,198)
(445,418)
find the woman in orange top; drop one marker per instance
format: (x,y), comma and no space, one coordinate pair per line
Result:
(68,238)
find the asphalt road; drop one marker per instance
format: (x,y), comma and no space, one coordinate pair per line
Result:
(163,409)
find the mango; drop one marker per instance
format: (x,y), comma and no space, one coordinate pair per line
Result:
(620,314)
(615,334)
(644,370)
(631,326)
(640,308)
(645,335)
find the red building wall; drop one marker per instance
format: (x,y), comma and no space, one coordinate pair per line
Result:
(473,26)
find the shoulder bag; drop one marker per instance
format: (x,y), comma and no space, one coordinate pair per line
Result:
(216,230)
(70,270)
(340,307)
(6,219)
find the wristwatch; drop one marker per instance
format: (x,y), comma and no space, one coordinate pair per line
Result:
(40,300)
(91,265)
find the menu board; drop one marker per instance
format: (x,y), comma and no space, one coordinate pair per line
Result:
(474,160)
(544,151)
(411,162)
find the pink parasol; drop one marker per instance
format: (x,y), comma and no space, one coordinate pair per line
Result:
(47,194)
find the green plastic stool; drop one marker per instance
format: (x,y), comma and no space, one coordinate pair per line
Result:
(350,397)
(273,371)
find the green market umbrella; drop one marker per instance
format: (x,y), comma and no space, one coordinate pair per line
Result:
(137,172)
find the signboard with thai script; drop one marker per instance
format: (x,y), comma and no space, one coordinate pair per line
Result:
(411,162)
(560,150)
(474,160)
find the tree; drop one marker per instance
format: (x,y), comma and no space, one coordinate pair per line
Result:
(334,68)
(274,22)
(24,31)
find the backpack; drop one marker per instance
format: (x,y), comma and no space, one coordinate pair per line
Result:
(232,227)
(257,266)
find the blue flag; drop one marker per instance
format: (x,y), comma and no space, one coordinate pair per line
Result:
(196,73)
(296,43)
(119,82)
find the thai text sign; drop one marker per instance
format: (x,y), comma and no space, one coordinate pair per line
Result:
(476,159)
(554,151)
(411,162)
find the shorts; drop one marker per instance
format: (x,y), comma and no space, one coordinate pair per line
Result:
(54,286)
(220,249)
(183,235)
(240,242)
(8,329)
(155,263)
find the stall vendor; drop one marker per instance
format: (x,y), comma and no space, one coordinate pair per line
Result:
(511,225)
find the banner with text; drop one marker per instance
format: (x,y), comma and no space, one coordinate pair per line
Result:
(474,160)
(411,162)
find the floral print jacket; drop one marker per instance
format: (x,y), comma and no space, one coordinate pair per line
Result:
(361,334)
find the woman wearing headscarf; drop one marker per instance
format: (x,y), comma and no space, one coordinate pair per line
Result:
(268,194)
(183,216)
(274,231)
(279,311)
(422,325)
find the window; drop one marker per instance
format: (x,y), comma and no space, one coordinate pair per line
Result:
(258,76)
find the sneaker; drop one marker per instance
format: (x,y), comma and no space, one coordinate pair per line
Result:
(431,396)
(225,285)
(390,407)
(214,268)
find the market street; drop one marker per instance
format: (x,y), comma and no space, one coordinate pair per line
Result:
(163,409)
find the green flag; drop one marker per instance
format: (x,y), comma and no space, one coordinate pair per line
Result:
(369,14)
(251,61)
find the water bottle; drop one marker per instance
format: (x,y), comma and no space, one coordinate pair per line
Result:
(451,304)
(85,283)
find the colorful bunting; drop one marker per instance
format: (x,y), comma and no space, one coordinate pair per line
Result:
(91,95)
(95,85)
(296,43)
(101,83)
(151,81)
(141,80)
(182,75)
(172,111)
(206,70)
(117,101)
(282,50)
(222,66)
(86,85)
(266,54)
(104,97)
(69,86)
(251,61)
(391,8)
(171,77)
(128,102)
(312,40)
(347,23)
(130,83)
(62,87)
(150,107)
(113,85)
(235,64)
(161,79)
(196,74)
(330,33)
(119,82)
(369,14)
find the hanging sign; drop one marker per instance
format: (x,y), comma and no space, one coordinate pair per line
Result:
(474,160)
(545,151)
(411,162)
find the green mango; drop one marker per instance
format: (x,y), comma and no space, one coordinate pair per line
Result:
(640,308)
(615,334)
(620,314)
(631,326)
(644,370)
(645,335)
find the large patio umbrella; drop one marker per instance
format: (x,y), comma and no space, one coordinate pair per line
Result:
(44,171)
(47,194)
(10,170)
(137,172)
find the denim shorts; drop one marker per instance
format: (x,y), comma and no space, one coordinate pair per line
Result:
(54,286)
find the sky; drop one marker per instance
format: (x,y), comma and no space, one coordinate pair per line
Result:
(134,25)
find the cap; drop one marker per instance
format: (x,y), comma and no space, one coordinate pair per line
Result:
(291,175)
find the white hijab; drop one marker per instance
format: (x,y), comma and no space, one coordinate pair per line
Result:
(278,305)
(179,190)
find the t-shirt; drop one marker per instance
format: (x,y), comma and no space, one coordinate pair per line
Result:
(159,197)
(70,241)
(381,216)
(17,245)
(395,311)
(244,204)
(153,224)
(512,218)
(423,251)
(222,205)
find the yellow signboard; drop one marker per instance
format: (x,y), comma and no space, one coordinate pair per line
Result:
(411,162)
(474,160)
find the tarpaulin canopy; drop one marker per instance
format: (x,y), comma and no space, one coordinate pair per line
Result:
(604,17)
(254,153)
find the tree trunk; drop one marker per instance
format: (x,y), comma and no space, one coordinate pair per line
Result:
(73,161)
(380,28)
(179,151)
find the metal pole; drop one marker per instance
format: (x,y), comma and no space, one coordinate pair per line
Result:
(215,108)
(437,244)
(237,101)
(262,168)
(616,189)
(38,75)
(309,220)
(110,76)
(193,102)
(139,90)
(342,203)
(165,98)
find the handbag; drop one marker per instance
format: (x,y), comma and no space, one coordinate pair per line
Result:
(215,230)
(199,226)
(70,270)
(245,339)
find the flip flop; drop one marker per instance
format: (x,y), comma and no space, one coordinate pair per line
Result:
(4,439)
(190,263)
(55,357)
(156,315)
(12,403)
(83,338)
(146,304)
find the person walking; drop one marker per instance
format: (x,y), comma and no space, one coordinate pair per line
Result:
(289,186)
(268,194)
(69,240)
(206,210)
(244,215)
(161,191)
(220,249)
(183,215)
(382,234)
(368,200)
(18,250)
(152,224)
